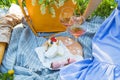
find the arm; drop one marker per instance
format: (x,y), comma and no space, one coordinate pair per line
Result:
(92,5)
(7,22)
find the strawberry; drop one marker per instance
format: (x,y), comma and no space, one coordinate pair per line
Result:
(53,39)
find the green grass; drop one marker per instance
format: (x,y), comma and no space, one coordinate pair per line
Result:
(104,9)
(7,3)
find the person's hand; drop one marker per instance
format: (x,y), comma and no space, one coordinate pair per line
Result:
(78,20)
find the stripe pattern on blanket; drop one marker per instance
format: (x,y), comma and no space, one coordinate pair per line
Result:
(20,54)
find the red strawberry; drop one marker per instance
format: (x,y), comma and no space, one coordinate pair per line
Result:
(53,39)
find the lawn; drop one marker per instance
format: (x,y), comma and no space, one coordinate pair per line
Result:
(104,9)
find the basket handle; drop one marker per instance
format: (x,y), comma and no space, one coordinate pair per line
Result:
(28,20)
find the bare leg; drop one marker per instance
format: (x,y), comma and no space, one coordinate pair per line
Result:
(2,50)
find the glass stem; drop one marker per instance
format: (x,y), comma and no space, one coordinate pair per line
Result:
(76,38)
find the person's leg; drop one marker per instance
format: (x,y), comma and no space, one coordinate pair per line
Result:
(2,50)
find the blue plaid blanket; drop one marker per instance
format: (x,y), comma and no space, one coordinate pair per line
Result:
(20,54)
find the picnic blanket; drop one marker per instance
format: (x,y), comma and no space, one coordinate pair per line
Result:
(21,56)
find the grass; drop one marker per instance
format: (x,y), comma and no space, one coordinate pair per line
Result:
(103,10)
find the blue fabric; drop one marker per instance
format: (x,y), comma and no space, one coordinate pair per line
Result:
(105,64)
(20,54)
(118,1)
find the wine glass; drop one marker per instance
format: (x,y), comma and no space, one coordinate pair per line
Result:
(68,19)
(76,30)
(66,15)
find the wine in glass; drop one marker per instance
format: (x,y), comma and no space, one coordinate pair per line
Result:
(76,30)
(68,19)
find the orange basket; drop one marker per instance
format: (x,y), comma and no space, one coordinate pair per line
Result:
(43,23)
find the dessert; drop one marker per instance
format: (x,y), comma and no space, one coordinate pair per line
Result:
(56,52)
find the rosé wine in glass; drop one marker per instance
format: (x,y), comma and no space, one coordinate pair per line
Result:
(68,19)
(77,32)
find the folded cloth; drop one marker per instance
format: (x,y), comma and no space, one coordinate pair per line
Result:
(8,21)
